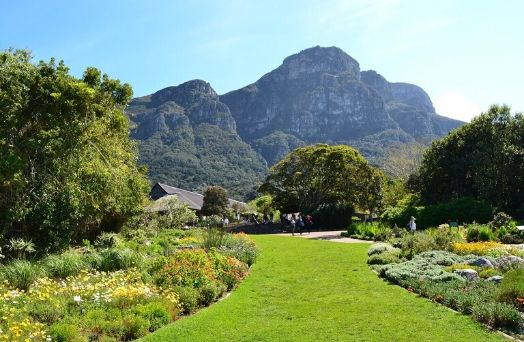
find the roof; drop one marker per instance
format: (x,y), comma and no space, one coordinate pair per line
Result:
(164,192)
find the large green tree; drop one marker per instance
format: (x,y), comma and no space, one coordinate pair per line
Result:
(483,159)
(68,168)
(316,175)
(215,201)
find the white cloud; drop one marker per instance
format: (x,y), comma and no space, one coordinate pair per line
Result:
(455,105)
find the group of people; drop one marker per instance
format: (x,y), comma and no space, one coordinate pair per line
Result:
(297,222)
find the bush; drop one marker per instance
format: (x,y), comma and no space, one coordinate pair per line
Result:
(241,247)
(187,268)
(412,244)
(188,297)
(21,274)
(369,231)
(333,215)
(63,332)
(156,313)
(498,315)
(379,247)
(477,232)
(512,288)
(384,258)
(114,259)
(45,313)
(210,292)
(444,237)
(107,240)
(426,266)
(64,265)
(133,327)
(466,209)
(213,238)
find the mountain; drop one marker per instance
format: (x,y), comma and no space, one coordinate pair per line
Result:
(320,95)
(190,137)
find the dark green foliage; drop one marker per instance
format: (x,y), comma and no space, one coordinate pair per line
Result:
(317,175)
(478,232)
(215,201)
(210,292)
(68,168)
(333,215)
(482,159)
(464,209)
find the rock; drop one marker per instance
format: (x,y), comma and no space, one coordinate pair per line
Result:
(495,279)
(467,274)
(509,261)
(482,262)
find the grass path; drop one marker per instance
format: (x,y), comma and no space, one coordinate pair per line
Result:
(310,290)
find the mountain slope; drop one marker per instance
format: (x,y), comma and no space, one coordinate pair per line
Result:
(188,140)
(190,137)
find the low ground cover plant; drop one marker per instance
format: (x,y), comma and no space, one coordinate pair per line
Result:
(462,281)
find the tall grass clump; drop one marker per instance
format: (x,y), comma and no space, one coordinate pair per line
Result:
(20,274)
(64,265)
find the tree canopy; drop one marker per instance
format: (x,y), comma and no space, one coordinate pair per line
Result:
(483,159)
(215,201)
(68,167)
(316,175)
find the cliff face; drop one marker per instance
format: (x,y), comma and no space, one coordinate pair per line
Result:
(320,95)
(190,137)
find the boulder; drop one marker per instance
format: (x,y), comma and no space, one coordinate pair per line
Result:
(467,274)
(495,279)
(481,262)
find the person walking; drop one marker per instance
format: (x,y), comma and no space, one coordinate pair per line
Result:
(412,226)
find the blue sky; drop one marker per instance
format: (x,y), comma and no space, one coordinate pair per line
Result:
(465,54)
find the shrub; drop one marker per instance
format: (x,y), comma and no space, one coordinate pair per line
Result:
(43,312)
(114,259)
(477,232)
(387,257)
(213,238)
(210,292)
(188,297)
(477,248)
(187,268)
(369,231)
(133,327)
(20,274)
(498,315)
(511,289)
(412,244)
(379,247)
(63,332)
(444,237)
(64,265)
(156,313)
(489,272)
(333,215)
(500,219)
(241,247)
(107,240)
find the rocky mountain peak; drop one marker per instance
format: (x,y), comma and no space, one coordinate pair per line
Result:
(330,60)
(184,94)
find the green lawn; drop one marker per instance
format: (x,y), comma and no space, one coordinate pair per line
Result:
(304,290)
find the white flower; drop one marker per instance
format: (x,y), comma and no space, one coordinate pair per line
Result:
(77,299)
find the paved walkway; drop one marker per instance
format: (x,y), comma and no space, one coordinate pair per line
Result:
(333,235)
